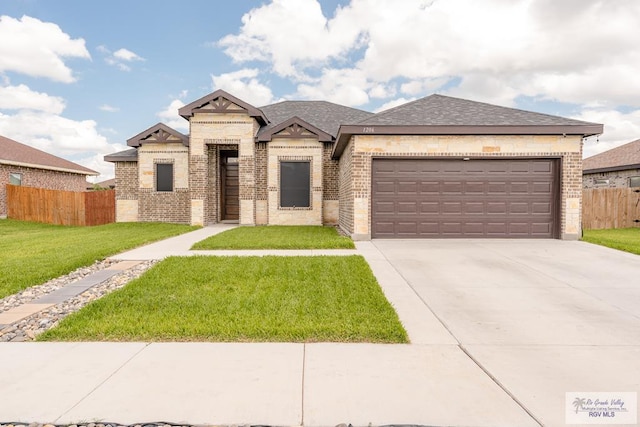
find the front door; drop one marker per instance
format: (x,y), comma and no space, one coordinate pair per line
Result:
(229,186)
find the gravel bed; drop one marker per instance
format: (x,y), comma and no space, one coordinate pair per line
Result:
(30,327)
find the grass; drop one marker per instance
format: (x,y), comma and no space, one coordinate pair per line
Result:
(277,237)
(242,299)
(624,239)
(32,253)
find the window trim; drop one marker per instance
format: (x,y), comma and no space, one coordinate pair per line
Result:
(281,188)
(157,177)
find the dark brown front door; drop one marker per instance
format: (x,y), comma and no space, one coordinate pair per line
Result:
(229,186)
(418,198)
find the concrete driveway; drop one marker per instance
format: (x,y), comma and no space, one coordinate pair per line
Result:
(541,317)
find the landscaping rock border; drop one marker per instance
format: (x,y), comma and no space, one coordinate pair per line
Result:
(30,327)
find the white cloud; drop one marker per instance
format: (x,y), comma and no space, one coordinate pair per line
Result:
(245,85)
(109,108)
(169,116)
(22,98)
(288,33)
(126,55)
(342,86)
(393,103)
(119,58)
(75,140)
(619,128)
(38,48)
(572,51)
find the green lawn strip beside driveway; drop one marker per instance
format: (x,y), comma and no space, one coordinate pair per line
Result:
(32,253)
(624,239)
(242,299)
(277,237)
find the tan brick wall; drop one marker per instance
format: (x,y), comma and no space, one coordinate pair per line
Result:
(217,129)
(39,178)
(617,179)
(286,149)
(568,149)
(150,154)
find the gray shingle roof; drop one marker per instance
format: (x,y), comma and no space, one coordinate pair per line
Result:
(130,155)
(627,155)
(13,152)
(440,110)
(324,115)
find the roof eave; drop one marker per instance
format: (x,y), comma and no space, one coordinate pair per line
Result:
(51,168)
(267,135)
(347,131)
(113,159)
(611,169)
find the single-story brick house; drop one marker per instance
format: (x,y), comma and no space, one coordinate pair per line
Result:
(435,167)
(615,168)
(21,164)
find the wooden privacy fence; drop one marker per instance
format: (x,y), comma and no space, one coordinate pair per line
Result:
(610,208)
(61,207)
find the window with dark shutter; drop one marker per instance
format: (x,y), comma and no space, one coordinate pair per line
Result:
(295,184)
(164,177)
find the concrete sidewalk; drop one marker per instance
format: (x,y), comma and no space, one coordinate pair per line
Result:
(430,382)
(441,378)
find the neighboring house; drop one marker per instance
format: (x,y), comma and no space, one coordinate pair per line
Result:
(24,165)
(615,168)
(434,167)
(108,184)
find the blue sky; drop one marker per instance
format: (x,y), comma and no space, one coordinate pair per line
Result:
(78,78)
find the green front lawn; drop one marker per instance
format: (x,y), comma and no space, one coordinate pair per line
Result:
(242,299)
(624,239)
(277,237)
(32,253)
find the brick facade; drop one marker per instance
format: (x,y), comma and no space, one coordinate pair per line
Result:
(614,179)
(355,167)
(39,178)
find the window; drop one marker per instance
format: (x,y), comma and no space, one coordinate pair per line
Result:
(600,181)
(164,177)
(15,178)
(634,181)
(295,184)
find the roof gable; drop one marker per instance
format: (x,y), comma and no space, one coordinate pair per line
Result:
(295,127)
(17,154)
(626,156)
(221,102)
(159,133)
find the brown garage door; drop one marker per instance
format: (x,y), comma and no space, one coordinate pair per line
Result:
(418,198)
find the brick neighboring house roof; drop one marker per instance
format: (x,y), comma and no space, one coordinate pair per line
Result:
(17,154)
(324,115)
(624,157)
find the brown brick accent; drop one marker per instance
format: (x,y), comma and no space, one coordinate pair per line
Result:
(330,168)
(261,160)
(198,176)
(170,206)
(345,191)
(126,180)
(247,177)
(39,178)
